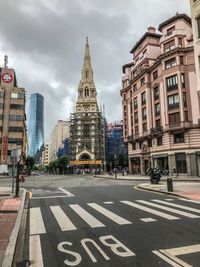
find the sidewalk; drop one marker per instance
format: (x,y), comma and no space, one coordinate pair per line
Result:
(11,210)
(186,187)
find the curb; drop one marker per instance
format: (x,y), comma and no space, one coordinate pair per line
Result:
(10,250)
(162,192)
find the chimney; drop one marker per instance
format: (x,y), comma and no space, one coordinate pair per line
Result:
(151,29)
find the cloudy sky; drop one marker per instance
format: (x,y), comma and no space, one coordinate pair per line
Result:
(45,39)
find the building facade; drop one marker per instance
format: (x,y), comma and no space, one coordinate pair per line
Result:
(45,155)
(60,132)
(36,126)
(159,98)
(13,136)
(195,15)
(87,123)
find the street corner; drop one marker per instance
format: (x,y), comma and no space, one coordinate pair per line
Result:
(190,195)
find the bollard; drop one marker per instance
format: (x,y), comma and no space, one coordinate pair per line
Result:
(169,184)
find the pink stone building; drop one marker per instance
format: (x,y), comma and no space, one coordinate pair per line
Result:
(160,104)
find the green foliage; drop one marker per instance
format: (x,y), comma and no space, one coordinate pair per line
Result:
(29,163)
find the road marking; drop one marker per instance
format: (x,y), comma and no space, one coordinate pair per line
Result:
(166,259)
(35,251)
(62,219)
(109,214)
(158,213)
(148,220)
(87,217)
(183,213)
(189,200)
(66,192)
(36,222)
(177,205)
(49,197)
(169,199)
(109,202)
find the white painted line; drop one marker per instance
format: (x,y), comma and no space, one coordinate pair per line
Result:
(189,200)
(175,259)
(87,217)
(109,202)
(184,250)
(177,205)
(66,192)
(166,259)
(148,220)
(35,251)
(62,219)
(183,213)
(169,199)
(158,213)
(48,197)
(36,222)
(109,214)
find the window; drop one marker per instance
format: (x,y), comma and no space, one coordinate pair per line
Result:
(149,142)
(131,93)
(135,103)
(136,117)
(184,100)
(16,117)
(15,106)
(181,60)
(17,141)
(1,116)
(172,83)
(17,95)
(157,109)
(186,115)
(144,126)
(170,30)
(143,98)
(1,94)
(86,130)
(198,26)
(140,144)
(1,105)
(131,106)
(173,101)
(124,110)
(181,165)
(144,113)
(155,75)
(135,87)
(142,81)
(183,80)
(169,46)
(15,129)
(170,63)
(133,146)
(159,141)
(158,123)
(174,119)
(180,42)
(179,138)
(156,93)
(136,130)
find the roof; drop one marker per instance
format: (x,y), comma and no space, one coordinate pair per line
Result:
(147,34)
(174,18)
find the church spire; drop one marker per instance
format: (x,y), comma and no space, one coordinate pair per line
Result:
(87,71)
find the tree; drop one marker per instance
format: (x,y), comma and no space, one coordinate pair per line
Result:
(29,163)
(62,164)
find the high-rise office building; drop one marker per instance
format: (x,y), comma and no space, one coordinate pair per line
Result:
(13,135)
(36,126)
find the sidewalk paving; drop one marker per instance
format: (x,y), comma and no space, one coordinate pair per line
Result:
(11,210)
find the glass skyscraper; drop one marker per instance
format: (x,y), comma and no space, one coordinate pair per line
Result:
(36,126)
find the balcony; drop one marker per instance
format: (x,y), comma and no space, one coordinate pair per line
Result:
(172,87)
(173,106)
(130,138)
(156,130)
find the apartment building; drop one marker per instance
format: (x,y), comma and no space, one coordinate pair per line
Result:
(45,155)
(195,15)
(60,132)
(13,136)
(159,97)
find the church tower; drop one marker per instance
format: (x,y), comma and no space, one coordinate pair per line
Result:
(87,123)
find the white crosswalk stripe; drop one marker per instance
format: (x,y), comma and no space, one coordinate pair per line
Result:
(36,222)
(183,213)
(109,214)
(86,216)
(62,219)
(153,211)
(176,205)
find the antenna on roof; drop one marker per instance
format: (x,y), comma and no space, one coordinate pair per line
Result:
(5,61)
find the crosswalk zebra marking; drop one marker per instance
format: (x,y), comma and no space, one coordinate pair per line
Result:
(183,213)
(109,214)
(66,192)
(36,222)
(177,205)
(153,211)
(148,220)
(169,199)
(62,219)
(108,202)
(86,216)
(35,251)
(189,200)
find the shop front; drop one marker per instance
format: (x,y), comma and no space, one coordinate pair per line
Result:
(161,161)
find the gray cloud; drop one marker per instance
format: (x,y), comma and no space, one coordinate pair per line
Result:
(45,40)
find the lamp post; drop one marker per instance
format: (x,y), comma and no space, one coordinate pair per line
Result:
(115,158)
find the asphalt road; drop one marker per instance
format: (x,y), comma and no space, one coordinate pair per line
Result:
(85,221)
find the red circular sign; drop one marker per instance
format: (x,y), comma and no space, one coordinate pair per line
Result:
(7,77)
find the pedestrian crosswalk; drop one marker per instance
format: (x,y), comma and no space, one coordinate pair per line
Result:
(97,215)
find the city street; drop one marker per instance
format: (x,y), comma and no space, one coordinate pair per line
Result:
(86,221)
